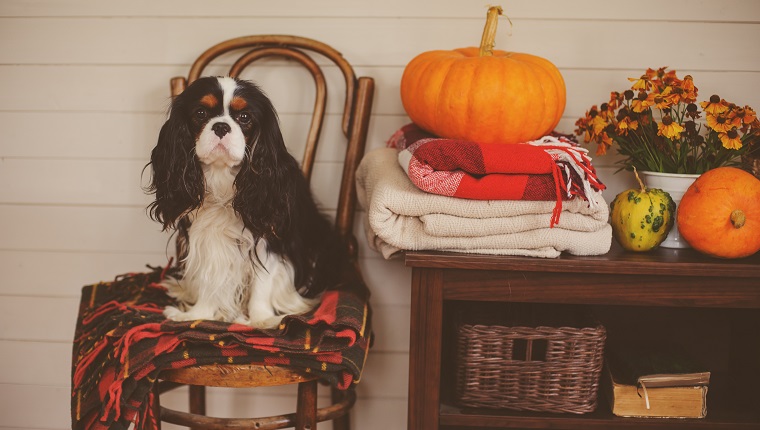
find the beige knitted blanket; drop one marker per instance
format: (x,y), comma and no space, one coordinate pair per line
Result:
(399,216)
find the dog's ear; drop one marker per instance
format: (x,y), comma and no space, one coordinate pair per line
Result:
(177,179)
(269,180)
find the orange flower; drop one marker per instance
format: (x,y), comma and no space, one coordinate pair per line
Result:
(664,100)
(750,115)
(715,106)
(658,120)
(641,103)
(670,129)
(605,142)
(735,116)
(616,99)
(730,140)
(719,123)
(626,124)
(669,77)
(689,94)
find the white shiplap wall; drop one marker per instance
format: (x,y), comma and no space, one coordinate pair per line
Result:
(85,86)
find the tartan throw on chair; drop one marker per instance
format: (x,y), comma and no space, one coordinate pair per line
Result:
(123,341)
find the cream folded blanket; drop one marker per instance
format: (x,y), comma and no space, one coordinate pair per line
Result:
(400,216)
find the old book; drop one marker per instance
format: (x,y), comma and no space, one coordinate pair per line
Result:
(656,380)
(660,395)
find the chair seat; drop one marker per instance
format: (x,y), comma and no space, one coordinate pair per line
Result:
(236,375)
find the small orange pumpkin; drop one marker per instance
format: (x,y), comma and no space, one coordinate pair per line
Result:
(483,95)
(719,214)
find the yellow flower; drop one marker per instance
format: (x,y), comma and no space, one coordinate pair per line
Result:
(598,124)
(664,101)
(670,129)
(719,123)
(715,106)
(641,84)
(642,102)
(731,140)
(659,119)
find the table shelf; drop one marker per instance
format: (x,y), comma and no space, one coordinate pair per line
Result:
(661,280)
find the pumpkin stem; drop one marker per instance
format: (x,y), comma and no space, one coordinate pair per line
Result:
(738,218)
(641,183)
(488,40)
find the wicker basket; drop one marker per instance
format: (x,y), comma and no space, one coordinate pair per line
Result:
(546,369)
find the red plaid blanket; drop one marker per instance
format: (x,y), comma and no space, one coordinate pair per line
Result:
(551,168)
(123,341)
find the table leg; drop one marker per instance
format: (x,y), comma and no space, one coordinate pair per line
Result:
(425,349)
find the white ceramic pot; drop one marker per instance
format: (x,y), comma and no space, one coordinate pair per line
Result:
(676,185)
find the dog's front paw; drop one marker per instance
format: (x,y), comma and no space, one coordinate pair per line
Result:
(178,291)
(266,323)
(175,314)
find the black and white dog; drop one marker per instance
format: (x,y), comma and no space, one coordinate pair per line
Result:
(255,246)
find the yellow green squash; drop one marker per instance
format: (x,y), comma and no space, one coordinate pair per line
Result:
(641,219)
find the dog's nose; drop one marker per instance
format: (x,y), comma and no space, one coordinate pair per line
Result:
(221,128)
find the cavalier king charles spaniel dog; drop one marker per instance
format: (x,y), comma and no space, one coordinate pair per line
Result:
(253,245)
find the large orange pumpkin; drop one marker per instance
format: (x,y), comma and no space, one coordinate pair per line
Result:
(719,214)
(483,95)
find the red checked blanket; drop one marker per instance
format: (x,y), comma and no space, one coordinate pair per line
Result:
(123,341)
(552,168)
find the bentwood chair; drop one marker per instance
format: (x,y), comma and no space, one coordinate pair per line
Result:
(354,123)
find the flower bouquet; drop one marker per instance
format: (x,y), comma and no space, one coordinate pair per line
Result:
(658,126)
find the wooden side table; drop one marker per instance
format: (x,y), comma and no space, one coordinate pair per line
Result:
(663,278)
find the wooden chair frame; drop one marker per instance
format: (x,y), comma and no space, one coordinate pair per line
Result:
(355,123)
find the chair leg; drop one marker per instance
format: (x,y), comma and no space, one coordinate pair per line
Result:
(306,407)
(344,422)
(156,425)
(197,401)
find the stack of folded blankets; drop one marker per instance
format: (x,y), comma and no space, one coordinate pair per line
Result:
(538,199)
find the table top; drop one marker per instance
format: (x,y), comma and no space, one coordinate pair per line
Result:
(661,261)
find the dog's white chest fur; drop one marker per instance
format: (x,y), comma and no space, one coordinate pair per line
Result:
(228,275)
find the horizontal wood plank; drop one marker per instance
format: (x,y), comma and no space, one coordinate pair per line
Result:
(72,228)
(20,406)
(573,42)
(35,363)
(144,90)
(62,274)
(44,320)
(680,10)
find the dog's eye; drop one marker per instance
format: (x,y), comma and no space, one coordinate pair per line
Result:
(201,113)
(244,118)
